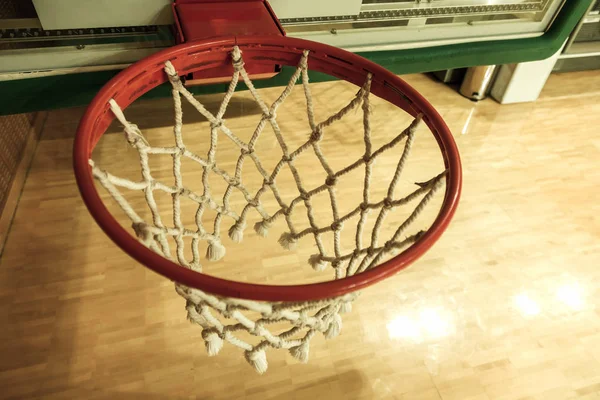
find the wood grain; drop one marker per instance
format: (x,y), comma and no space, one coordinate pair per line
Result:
(504,306)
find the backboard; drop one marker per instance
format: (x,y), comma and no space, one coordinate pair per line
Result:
(63,51)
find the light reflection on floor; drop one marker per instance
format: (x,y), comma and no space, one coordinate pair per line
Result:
(428,324)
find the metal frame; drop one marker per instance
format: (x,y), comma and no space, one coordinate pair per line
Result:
(24,95)
(330,31)
(585,49)
(375,31)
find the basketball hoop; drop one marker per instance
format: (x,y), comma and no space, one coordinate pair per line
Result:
(307,308)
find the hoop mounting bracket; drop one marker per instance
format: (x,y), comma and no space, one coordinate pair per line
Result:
(206,19)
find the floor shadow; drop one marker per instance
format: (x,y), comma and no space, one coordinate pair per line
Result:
(353,381)
(149,114)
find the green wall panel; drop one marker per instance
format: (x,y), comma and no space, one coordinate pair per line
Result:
(78,89)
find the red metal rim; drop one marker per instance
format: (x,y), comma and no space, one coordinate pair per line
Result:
(146,74)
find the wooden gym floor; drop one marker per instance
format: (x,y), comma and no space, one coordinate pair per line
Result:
(504,306)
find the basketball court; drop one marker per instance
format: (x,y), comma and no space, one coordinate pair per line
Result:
(197,213)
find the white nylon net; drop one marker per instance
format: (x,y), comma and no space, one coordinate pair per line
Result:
(224,319)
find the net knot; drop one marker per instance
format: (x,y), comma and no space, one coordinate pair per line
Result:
(236,59)
(236,232)
(336,226)
(213,341)
(275,315)
(262,228)
(180,192)
(288,241)
(196,266)
(387,203)
(301,352)
(217,124)
(271,115)
(238,65)
(171,71)
(140,229)
(331,180)
(363,206)
(345,307)
(247,151)
(286,158)
(193,314)
(215,251)
(181,151)
(277,345)
(304,195)
(388,245)
(304,60)
(317,263)
(235,182)
(316,135)
(134,135)
(259,330)
(335,326)
(258,359)
(302,318)
(267,182)
(228,311)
